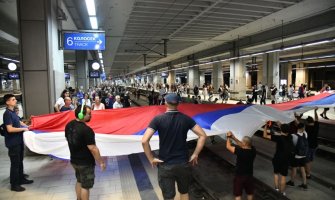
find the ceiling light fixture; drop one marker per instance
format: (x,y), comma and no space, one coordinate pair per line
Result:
(94,22)
(293,47)
(95,65)
(317,43)
(12,66)
(90,5)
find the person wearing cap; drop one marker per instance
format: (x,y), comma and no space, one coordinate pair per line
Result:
(173,160)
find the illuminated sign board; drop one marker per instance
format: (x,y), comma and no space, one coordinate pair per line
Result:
(84,41)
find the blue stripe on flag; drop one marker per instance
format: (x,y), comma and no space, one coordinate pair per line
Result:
(205,120)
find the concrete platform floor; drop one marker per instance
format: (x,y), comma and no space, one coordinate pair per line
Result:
(55,179)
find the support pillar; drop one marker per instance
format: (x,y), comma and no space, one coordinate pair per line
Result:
(286,73)
(217,75)
(41,60)
(237,79)
(271,69)
(202,78)
(83,81)
(157,79)
(193,77)
(171,78)
(301,75)
(260,75)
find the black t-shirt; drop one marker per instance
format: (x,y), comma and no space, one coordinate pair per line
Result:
(63,109)
(284,147)
(126,101)
(11,118)
(78,136)
(172,128)
(245,161)
(312,133)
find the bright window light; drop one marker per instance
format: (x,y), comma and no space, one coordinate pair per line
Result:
(90,5)
(94,22)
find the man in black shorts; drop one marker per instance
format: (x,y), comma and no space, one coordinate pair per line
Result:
(84,152)
(283,155)
(245,154)
(300,142)
(173,161)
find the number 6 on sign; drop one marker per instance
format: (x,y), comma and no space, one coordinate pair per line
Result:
(69,41)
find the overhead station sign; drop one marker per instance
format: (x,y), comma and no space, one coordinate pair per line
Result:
(84,41)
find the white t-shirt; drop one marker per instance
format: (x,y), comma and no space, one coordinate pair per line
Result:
(60,102)
(117,105)
(87,103)
(101,106)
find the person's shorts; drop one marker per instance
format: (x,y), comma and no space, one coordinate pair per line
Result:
(169,174)
(243,183)
(85,175)
(299,162)
(280,167)
(311,154)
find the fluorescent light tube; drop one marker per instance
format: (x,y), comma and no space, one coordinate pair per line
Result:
(294,47)
(317,43)
(94,22)
(90,5)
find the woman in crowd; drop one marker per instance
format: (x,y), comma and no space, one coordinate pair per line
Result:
(97,104)
(60,101)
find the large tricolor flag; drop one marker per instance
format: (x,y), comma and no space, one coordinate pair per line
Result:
(119,131)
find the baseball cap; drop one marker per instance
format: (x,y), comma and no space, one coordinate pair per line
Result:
(171,98)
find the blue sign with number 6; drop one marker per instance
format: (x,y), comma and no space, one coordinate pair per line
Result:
(84,41)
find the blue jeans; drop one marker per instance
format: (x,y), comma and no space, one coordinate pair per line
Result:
(15,154)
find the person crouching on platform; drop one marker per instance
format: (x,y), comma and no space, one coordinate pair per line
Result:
(174,161)
(83,151)
(246,154)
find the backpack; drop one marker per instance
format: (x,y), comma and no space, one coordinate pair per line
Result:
(3,130)
(301,148)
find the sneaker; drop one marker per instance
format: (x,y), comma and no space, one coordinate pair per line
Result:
(26,181)
(303,186)
(284,194)
(326,117)
(290,183)
(25,175)
(309,176)
(17,188)
(277,189)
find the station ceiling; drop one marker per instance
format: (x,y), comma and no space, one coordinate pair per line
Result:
(135,28)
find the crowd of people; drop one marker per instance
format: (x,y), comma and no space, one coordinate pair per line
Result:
(97,98)
(296,143)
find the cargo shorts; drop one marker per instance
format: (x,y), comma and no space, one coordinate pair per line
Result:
(85,175)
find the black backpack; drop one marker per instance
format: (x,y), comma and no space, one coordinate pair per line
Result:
(301,148)
(3,130)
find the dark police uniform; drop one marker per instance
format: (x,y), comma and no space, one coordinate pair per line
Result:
(14,143)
